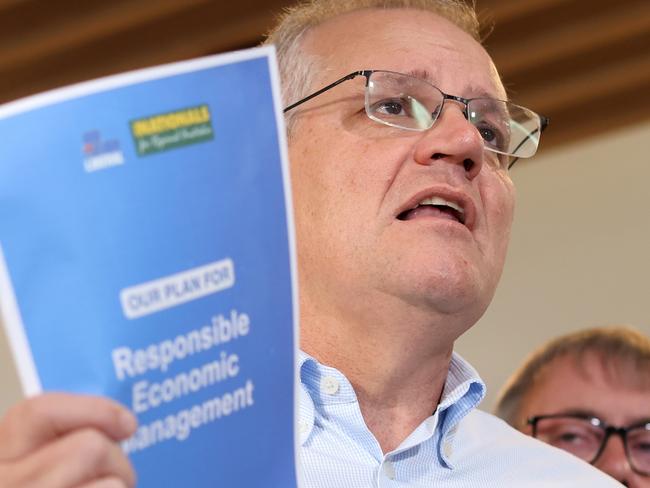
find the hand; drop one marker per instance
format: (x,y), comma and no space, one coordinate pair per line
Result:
(59,440)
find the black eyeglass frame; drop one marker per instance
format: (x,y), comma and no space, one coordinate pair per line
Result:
(543,120)
(607,429)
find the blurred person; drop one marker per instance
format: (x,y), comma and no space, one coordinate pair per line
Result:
(400,138)
(588,393)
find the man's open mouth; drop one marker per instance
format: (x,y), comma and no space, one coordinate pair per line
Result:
(435,207)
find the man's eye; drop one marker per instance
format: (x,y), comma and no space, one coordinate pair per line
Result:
(390,107)
(642,447)
(492,136)
(489,135)
(569,437)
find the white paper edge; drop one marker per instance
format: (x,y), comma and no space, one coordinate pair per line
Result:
(132,77)
(13,324)
(286,177)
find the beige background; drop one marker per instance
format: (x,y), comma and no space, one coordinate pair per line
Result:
(578,255)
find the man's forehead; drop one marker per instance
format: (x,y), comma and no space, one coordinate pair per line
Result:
(407,40)
(600,371)
(470,90)
(583,383)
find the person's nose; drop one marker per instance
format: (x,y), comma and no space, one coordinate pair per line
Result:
(452,139)
(613,461)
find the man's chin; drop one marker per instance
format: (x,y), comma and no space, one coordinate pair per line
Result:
(465,308)
(449,298)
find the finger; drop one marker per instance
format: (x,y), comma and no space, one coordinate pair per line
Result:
(36,421)
(104,483)
(81,457)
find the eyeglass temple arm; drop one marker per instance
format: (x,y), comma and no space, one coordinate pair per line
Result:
(324,89)
(543,125)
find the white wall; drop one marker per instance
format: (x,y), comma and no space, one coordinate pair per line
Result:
(579,255)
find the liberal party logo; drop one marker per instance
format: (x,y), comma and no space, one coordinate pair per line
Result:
(100,154)
(172,129)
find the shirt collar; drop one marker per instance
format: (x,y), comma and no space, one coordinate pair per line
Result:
(307,411)
(316,377)
(462,392)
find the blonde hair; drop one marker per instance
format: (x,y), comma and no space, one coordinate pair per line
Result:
(623,352)
(297,68)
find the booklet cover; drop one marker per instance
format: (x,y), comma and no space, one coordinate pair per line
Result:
(146,254)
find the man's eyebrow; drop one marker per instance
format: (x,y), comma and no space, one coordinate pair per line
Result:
(422,74)
(640,421)
(591,413)
(580,412)
(427,76)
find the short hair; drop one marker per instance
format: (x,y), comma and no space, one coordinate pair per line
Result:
(623,352)
(297,68)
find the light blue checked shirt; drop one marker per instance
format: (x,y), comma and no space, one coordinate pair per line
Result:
(457,446)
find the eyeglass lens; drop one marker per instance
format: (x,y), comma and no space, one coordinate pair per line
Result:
(584,438)
(411,103)
(638,444)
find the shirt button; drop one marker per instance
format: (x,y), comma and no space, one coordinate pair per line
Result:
(329,385)
(389,469)
(303,427)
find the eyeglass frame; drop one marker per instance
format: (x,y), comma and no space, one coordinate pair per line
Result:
(608,431)
(367,73)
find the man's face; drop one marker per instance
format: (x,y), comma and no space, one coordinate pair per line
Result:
(563,388)
(355,180)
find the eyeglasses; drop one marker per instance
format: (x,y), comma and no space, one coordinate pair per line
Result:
(586,436)
(411,103)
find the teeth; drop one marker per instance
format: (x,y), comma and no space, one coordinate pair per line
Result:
(441,201)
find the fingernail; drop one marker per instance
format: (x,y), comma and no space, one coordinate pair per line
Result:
(128,421)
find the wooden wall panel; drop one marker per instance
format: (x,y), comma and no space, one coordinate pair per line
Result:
(583,63)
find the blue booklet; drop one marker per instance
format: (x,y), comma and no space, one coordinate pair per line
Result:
(146,254)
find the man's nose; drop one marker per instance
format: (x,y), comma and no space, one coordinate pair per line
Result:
(613,460)
(452,139)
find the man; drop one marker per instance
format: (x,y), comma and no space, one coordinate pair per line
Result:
(588,393)
(402,228)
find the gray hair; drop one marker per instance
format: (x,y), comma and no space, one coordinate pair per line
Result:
(624,354)
(298,69)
